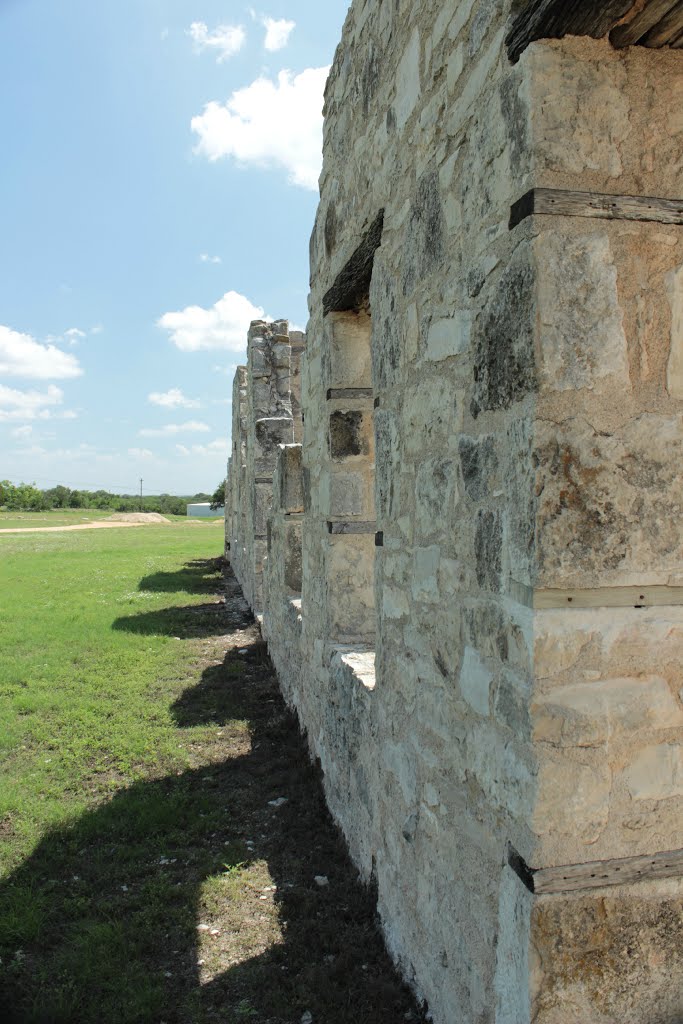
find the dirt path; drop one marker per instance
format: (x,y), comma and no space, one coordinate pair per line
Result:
(62,529)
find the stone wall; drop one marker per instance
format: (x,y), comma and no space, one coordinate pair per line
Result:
(486,648)
(261,420)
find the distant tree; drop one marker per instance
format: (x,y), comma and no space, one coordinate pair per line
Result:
(218,496)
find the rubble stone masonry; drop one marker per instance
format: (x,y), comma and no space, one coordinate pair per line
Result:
(470,569)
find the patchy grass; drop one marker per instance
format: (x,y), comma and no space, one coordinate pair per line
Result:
(148,875)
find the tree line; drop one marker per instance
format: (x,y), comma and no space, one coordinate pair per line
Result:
(29,498)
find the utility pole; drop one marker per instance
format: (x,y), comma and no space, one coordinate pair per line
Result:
(141,494)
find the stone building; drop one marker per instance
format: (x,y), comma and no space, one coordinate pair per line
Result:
(470,571)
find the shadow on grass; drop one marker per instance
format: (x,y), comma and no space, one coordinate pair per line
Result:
(100,923)
(185,621)
(200,576)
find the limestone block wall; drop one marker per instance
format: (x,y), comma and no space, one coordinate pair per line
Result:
(262,420)
(486,650)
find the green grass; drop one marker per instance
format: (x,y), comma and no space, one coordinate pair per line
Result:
(145,876)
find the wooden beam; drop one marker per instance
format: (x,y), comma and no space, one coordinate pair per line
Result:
(351,527)
(553,19)
(630,32)
(668,29)
(648,596)
(617,871)
(349,393)
(352,284)
(609,597)
(565,203)
(595,874)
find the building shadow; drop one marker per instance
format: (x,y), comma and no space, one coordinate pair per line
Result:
(184,622)
(101,922)
(199,576)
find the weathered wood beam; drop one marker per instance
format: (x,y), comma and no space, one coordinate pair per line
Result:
(595,874)
(553,19)
(564,203)
(657,596)
(630,32)
(348,393)
(668,29)
(350,527)
(352,284)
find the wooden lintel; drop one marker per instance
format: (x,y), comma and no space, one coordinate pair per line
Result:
(595,874)
(565,203)
(617,871)
(348,393)
(609,597)
(294,517)
(553,19)
(648,596)
(350,526)
(632,31)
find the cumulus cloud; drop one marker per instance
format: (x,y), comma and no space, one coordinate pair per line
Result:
(269,124)
(140,453)
(28,405)
(223,325)
(23,356)
(225,40)
(278,31)
(173,399)
(22,432)
(218,447)
(191,426)
(205,258)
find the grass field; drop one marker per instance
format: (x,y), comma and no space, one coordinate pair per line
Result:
(151,871)
(55,517)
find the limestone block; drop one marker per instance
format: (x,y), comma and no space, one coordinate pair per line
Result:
(349,350)
(610,503)
(674,372)
(290,478)
(613,956)
(503,338)
(475,681)
(656,772)
(408,81)
(573,801)
(583,344)
(347,493)
(351,586)
(350,433)
(583,121)
(478,464)
(436,492)
(426,566)
(595,714)
(263,500)
(292,557)
(270,433)
(448,336)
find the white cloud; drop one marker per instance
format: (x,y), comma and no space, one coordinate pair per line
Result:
(22,356)
(22,431)
(97,329)
(218,447)
(269,124)
(173,399)
(205,258)
(191,426)
(140,453)
(226,40)
(223,325)
(73,335)
(28,405)
(277,33)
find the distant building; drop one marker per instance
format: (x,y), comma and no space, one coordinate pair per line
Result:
(203,510)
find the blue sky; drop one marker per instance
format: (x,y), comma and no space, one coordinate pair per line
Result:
(158,191)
